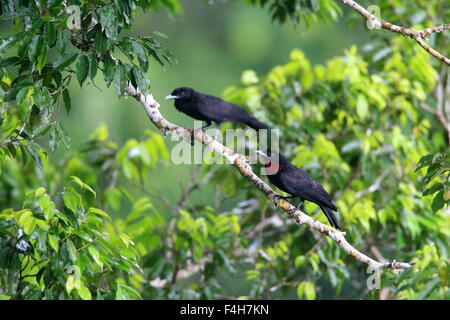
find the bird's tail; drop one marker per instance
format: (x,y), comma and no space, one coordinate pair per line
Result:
(254,123)
(331,217)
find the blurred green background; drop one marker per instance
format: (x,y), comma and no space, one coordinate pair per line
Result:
(210,43)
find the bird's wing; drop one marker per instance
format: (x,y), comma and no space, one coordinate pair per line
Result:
(299,183)
(217,109)
(213,107)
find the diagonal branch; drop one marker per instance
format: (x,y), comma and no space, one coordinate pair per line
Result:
(151,107)
(417,35)
(442,95)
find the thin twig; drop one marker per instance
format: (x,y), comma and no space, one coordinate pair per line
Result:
(417,35)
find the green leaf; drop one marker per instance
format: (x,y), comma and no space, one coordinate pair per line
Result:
(362,106)
(54,139)
(139,51)
(44,226)
(41,60)
(61,43)
(127,47)
(434,188)
(95,255)
(63,134)
(306,288)
(22,51)
(53,241)
(39,191)
(24,216)
(83,235)
(101,43)
(35,48)
(42,98)
(71,250)
(54,3)
(226,261)
(160,34)
(24,100)
(82,185)
(92,66)
(125,239)
(49,34)
(49,212)
(299,261)
(70,201)
(99,212)
(7,43)
(9,62)
(425,161)
(64,62)
(29,225)
(300,290)
(151,50)
(108,22)
(41,130)
(36,156)
(70,283)
(84,292)
(47,207)
(438,201)
(124,292)
(141,79)
(109,70)
(434,170)
(249,77)
(67,101)
(82,69)
(428,288)
(120,79)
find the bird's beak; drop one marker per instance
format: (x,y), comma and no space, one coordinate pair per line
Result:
(171,97)
(262,154)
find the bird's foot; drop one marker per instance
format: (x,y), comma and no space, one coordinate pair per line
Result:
(291,212)
(196,130)
(206,126)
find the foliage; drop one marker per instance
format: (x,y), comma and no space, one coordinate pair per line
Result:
(306,12)
(428,279)
(360,133)
(59,246)
(78,229)
(438,166)
(36,66)
(61,253)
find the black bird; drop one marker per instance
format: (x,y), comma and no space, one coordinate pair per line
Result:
(298,183)
(209,108)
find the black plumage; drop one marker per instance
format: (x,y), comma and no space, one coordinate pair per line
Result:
(209,108)
(299,184)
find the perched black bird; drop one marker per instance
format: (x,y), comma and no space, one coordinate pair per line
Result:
(298,183)
(209,108)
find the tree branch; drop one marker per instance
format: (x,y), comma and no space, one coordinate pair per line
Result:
(417,35)
(151,107)
(442,95)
